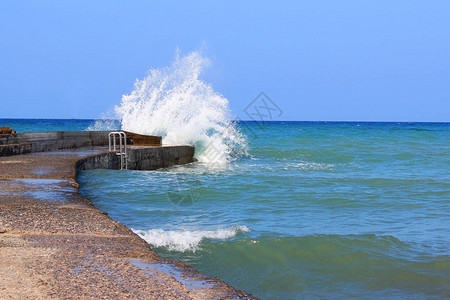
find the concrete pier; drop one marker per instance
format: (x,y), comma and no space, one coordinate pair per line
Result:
(54,244)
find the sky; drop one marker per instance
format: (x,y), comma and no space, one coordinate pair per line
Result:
(316,60)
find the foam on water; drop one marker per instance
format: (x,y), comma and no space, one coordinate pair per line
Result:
(184,240)
(173,102)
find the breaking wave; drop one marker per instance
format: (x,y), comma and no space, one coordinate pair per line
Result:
(184,240)
(173,102)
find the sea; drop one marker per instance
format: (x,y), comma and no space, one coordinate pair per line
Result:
(297,210)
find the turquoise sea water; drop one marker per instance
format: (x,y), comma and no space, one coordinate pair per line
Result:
(326,210)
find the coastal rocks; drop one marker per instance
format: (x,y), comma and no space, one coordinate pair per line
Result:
(7,130)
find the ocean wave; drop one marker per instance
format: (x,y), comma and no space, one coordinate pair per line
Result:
(186,240)
(173,102)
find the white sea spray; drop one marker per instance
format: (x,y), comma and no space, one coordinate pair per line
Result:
(173,102)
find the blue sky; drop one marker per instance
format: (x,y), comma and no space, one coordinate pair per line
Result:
(317,60)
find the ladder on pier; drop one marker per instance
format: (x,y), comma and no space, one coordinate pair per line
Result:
(121,150)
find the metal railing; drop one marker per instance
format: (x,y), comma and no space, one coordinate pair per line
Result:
(122,150)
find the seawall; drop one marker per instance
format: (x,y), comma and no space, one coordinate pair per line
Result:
(54,244)
(30,142)
(140,158)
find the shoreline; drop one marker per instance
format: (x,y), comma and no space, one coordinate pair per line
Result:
(56,244)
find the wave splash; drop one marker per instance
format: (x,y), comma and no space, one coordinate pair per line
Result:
(175,103)
(184,240)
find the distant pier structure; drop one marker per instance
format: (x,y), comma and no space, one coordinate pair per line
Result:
(144,152)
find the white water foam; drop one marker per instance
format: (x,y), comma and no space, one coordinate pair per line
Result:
(186,240)
(174,103)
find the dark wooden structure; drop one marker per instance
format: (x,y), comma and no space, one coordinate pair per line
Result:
(143,140)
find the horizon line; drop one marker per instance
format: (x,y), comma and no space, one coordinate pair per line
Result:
(240,120)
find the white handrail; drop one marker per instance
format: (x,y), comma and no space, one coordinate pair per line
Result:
(122,151)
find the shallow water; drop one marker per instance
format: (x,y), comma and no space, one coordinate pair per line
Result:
(328,210)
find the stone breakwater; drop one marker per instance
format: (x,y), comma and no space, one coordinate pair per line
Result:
(55,244)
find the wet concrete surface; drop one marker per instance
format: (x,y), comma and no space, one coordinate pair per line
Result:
(54,244)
